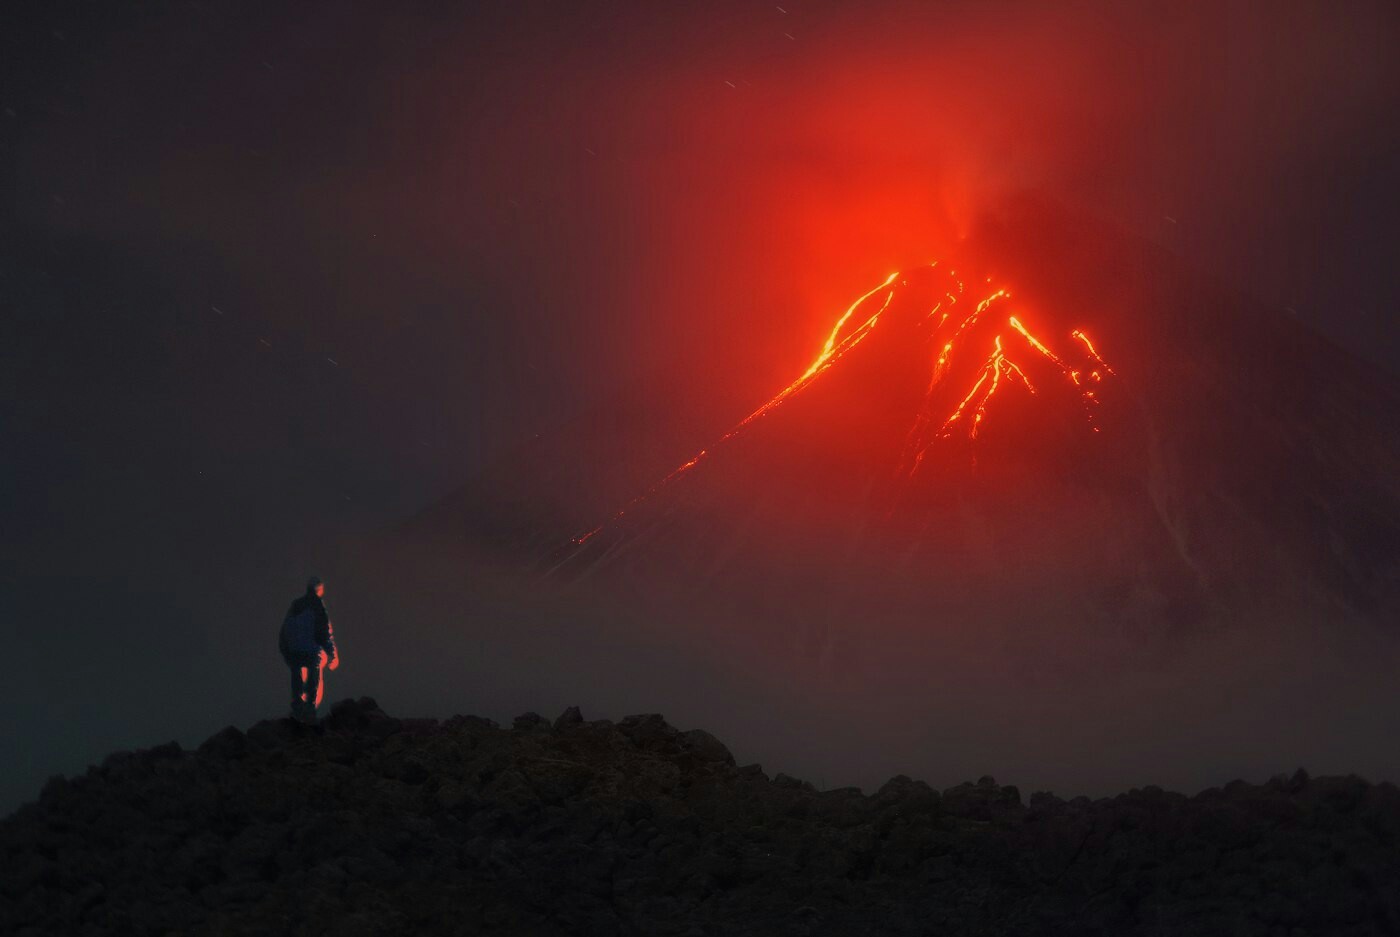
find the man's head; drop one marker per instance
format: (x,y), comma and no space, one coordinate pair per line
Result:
(315,586)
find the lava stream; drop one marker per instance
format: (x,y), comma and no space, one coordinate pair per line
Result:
(997,369)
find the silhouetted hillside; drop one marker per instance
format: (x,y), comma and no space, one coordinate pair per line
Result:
(371,825)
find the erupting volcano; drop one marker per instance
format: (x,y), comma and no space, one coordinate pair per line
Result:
(957,344)
(1027,514)
(1093,444)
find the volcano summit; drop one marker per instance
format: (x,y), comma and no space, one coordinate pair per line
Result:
(927,323)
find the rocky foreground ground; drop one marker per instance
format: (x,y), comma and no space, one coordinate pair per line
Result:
(368,824)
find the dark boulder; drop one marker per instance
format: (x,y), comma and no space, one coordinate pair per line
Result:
(568,719)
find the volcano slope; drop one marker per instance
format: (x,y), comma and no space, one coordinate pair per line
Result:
(1089,595)
(960,448)
(368,824)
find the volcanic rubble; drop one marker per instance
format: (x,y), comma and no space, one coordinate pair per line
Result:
(367,824)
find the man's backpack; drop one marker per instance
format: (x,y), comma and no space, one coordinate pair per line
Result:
(298,637)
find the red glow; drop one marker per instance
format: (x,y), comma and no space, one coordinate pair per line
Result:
(966,417)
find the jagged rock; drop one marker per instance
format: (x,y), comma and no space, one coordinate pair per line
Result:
(648,730)
(568,718)
(530,722)
(754,772)
(360,716)
(369,824)
(228,742)
(706,747)
(274,733)
(982,801)
(907,797)
(788,782)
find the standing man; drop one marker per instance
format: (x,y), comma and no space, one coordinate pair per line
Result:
(307,644)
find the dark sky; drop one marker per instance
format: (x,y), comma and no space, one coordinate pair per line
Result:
(272,273)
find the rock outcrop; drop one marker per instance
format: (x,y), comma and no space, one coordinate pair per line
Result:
(367,824)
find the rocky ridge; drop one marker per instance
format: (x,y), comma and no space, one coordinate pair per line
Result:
(367,824)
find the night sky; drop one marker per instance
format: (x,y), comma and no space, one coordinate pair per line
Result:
(272,275)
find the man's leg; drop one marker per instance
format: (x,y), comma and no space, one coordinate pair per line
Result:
(313,686)
(298,689)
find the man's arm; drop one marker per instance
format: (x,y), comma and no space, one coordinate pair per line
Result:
(325,635)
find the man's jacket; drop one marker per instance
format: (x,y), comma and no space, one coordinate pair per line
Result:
(306,631)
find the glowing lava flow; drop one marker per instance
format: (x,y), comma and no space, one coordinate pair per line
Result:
(997,370)
(831,353)
(996,366)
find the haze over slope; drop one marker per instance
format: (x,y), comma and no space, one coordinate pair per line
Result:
(1082,594)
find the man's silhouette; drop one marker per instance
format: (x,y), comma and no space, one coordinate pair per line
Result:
(307,644)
